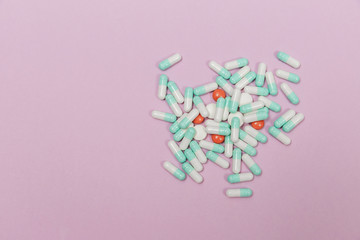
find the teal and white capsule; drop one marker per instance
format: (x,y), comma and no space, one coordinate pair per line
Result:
(250,163)
(224,85)
(293,122)
(220,105)
(289,93)
(264,109)
(185,123)
(192,172)
(176,172)
(224,131)
(236,166)
(234,102)
(217,159)
(228,147)
(260,91)
(198,152)
(201,106)
(284,118)
(205,88)
(238,63)
(193,160)
(256,116)
(219,70)
(210,122)
(240,177)
(226,109)
(211,146)
(256,134)
(163,81)
(239,192)
(175,92)
(180,133)
(245,147)
(292,77)
(175,126)
(165,64)
(288,59)
(247,138)
(173,105)
(188,102)
(273,106)
(271,84)
(276,133)
(188,137)
(176,151)
(235,127)
(236,77)
(251,107)
(167,117)
(246,80)
(260,76)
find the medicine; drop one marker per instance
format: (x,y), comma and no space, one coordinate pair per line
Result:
(175,92)
(271,84)
(168,117)
(201,106)
(273,106)
(226,109)
(192,173)
(284,118)
(224,131)
(189,94)
(289,93)
(200,132)
(236,77)
(189,118)
(260,76)
(245,98)
(260,91)
(264,109)
(242,177)
(293,122)
(288,60)
(236,64)
(174,170)
(224,85)
(205,89)
(237,114)
(220,105)
(216,124)
(211,107)
(235,126)
(241,192)
(247,138)
(253,167)
(165,64)
(180,134)
(234,102)
(292,77)
(163,80)
(236,166)
(228,147)
(258,116)
(276,133)
(246,80)
(256,134)
(193,160)
(188,137)
(212,146)
(176,151)
(217,159)
(245,147)
(250,107)
(173,105)
(219,70)
(198,152)
(175,126)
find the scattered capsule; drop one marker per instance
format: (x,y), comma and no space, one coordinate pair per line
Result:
(198,152)
(176,172)
(220,105)
(212,146)
(271,84)
(276,133)
(175,126)
(189,118)
(224,131)
(226,109)
(175,92)
(201,106)
(211,107)
(165,64)
(256,134)
(237,114)
(216,124)
(188,137)
(260,91)
(273,106)
(238,63)
(293,122)
(264,109)
(205,88)
(257,116)
(284,118)
(188,102)
(245,98)
(192,172)
(173,105)
(236,166)
(190,156)
(224,85)
(234,102)
(242,177)
(228,147)
(219,70)
(288,60)
(176,151)
(235,127)
(249,162)
(168,117)
(289,93)
(163,80)
(217,159)
(245,147)
(236,77)
(247,138)
(180,134)
(240,192)
(292,77)
(260,76)
(250,107)
(246,80)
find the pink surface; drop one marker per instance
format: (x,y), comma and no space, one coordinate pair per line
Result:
(80,155)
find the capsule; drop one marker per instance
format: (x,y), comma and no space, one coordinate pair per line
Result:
(200,132)
(249,162)
(190,156)
(219,70)
(256,134)
(234,102)
(276,133)
(181,133)
(176,172)
(224,131)
(198,152)
(250,107)
(246,80)
(247,138)
(175,126)
(211,107)
(245,147)
(271,84)
(188,102)
(175,92)
(168,117)
(189,118)
(238,63)
(235,127)
(260,91)
(226,109)
(173,105)
(220,105)
(273,106)
(257,116)
(245,98)
(163,80)
(216,124)
(237,114)
(236,166)
(292,77)
(242,177)
(192,172)
(236,77)
(224,85)
(176,151)
(228,147)
(212,146)
(165,64)
(260,76)
(217,159)
(288,60)
(205,89)
(264,109)
(201,106)
(188,137)
(293,122)
(240,192)
(289,93)
(284,118)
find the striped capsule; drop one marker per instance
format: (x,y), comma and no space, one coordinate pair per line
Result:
(198,152)
(246,80)
(273,106)
(234,102)
(288,60)
(293,122)
(242,177)
(264,109)
(256,116)
(176,172)
(247,138)
(205,89)
(236,77)
(284,118)
(250,163)
(219,70)
(180,133)
(220,105)
(245,147)
(211,146)
(236,166)
(250,107)
(173,105)
(260,76)
(201,106)
(260,91)
(189,118)
(224,85)
(256,134)
(163,80)
(188,137)
(238,63)
(228,147)
(175,92)
(176,151)
(210,122)
(167,117)
(190,156)
(292,77)
(240,192)
(175,126)
(235,127)
(276,133)
(188,102)
(289,93)
(165,64)
(192,172)
(271,84)
(226,109)
(224,131)
(217,159)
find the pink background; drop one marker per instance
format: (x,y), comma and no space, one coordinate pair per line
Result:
(80,155)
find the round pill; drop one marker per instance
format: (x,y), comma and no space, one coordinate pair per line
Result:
(237,114)
(200,132)
(245,98)
(258,124)
(218,93)
(211,109)
(199,119)
(217,138)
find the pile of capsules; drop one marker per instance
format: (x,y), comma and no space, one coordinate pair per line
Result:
(234,109)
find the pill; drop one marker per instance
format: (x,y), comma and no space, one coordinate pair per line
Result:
(259,115)
(175,126)
(189,118)
(235,126)
(245,98)
(234,102)
(226,109)
(228,147)
(218,93)
(224,85)
(258,124)
(199,119)
(168,117)
(212,146)
(271,84)
(247,138)
(192,172)
(260,91)
(236,156)
(240,192)
(224,131)
(237,114)
(196,164)
(205,88)
(200,132)
(289,93)
(176,151)
(188,102)
(246,80)
(245,147)
(256,134)
(219,70)
(293,122)
(276,133)
(236,77)
(198,152)
(216,124)
(181,133)
(250,107)
(284,118)
(292,77)
(264,109)
(242,177)
(201,106)
(288,59)
(260,76)
(238,63)
(175,92)
(211,107)
(165,64)
(188,137)
(174,106)
(218,138)
(273,106)
(251,165)
(176,172)
(220,105)
(217,159)
(163,80)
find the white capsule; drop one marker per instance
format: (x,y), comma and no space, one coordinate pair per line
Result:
(241,192)
(240,74)
(250,163)
(235,127)
(245,98)
(256,116)
(175,92)
(176,172)
(205,88)
(226,109)
(224,131)
(188,101)
(276,133)
(168,117)
(192,172)
(288,59)
(163,81)
(220,105)
(292,77)
(260,76)
(238,63)
(234,102)
(195,147)
(228,147)
(210,122)
(247,138)
(219,70)
(255,134)
(237,114)
(284,118)
(165,64)
(200,132)
(236,166)
(293,122)
(174,106)
(211,107)
(289,93)
(201,106)
(271,84)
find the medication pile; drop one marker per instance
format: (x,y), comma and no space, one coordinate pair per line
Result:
(233,121)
